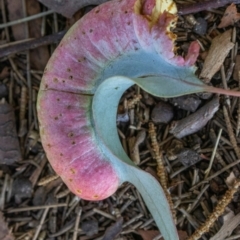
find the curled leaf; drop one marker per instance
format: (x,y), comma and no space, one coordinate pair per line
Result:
(94,64)
(230,16)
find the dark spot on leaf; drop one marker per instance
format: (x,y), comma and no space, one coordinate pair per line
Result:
(128,23)
(49,145)
(72,170)
(136,48)
(63,81)
(70,180)
(46,86)
(71,77)
(56,118)
(58,99)
(69,69)
(126,12)
(79,191)
(90,30)
(73,142)
(55,80)
(70,134)
(97,11)
(69,107)
(96,196)
(61,154)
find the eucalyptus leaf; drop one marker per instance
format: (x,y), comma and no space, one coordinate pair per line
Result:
(116,45)
(104,116)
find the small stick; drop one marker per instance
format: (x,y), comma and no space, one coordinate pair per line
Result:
(26,19)
(24,209)
(203,5)
(219,209)
(213,154)
(106,215)
(215,174)
(238,111)
(41,223)
(77,224)
(20,46)
(63,193)
(230,132)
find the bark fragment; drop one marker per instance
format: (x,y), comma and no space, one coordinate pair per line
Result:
(195,121)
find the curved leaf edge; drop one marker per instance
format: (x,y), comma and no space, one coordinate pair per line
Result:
(104,118)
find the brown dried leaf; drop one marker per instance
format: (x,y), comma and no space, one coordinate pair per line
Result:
(4,73)
(148,234)
(151,234)
(4,232)
(230,180)
(68,7)
(40,55)
(113,230)
(221,45)
(9,144)
(230,16)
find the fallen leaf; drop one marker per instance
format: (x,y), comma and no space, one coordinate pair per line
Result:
(230,180)
(230,16)
(68,7)
(151,234)
(148,234)
(4,231)
(9,144)
(113,230)
(220,47)
(182,235)
(40,55)
(4,73)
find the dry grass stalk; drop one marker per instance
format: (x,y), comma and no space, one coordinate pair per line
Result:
(218,211)
(132,102)
(47,179)
(160,167)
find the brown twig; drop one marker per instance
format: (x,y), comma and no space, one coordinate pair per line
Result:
(230,132)
(202,6)
(30,44)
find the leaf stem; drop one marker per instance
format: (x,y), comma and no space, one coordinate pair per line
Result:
(222,91)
